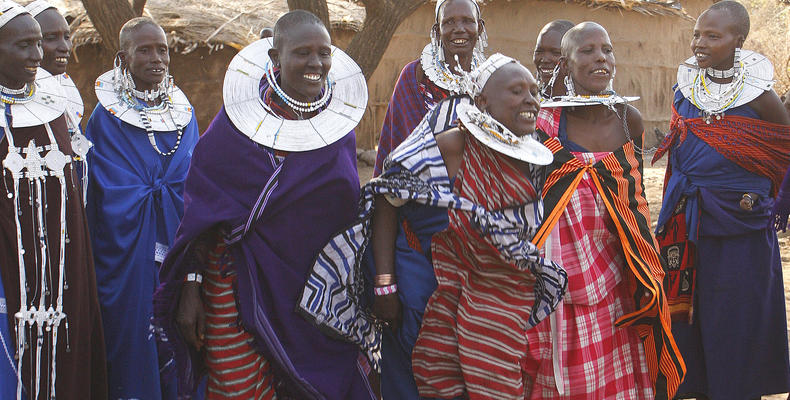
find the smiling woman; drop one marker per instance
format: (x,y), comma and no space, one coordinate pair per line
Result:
(728,148)
(458,38)
(144,131)
(598,229)
(279,160)
(45,267)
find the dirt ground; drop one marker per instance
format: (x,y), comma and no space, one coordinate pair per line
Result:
(654,180)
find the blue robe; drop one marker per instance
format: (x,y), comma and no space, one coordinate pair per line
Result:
(135,203)
(736,347)
(7,362)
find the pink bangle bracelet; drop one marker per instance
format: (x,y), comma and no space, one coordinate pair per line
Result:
(385,290)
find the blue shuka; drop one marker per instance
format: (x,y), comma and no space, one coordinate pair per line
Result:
(736,347)
(7,362)
(135,203)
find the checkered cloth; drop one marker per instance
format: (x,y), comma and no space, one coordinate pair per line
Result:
(611,186)
(596,358)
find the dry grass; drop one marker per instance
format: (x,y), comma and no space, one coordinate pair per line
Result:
(770,35)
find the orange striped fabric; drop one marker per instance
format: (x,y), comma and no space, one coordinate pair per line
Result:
(618,178)
(235,369)
(472,341)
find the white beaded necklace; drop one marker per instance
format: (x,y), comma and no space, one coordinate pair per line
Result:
(304,107)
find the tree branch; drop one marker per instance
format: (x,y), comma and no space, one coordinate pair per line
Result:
(317,7)
(382,18)
(108,16)
(138,6)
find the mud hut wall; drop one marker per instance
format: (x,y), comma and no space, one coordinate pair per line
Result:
(199,74)
(648,49)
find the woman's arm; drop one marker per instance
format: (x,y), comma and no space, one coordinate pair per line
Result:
(385,230)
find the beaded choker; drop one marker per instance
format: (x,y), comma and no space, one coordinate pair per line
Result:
(304,107)
(145,95)
(17,96)
(720,74)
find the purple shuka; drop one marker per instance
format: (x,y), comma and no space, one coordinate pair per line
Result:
(299,204)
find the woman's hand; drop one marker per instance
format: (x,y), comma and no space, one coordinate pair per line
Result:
(388,309)
(191,317)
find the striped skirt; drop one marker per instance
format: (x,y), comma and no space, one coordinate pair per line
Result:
(236,370)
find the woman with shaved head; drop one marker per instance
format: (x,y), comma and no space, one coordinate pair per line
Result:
(728,146)
(610,337)
(57,348)
(273,177)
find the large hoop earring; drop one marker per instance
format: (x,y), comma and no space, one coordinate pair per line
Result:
(569,86)
(436,44)
(117,70)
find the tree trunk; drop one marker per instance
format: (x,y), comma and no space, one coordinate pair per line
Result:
(138,6)
(381,20)
(108,16)
(317,7)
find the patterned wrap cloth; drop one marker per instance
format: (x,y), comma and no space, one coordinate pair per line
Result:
(582,341)
(334,297)
(617,178)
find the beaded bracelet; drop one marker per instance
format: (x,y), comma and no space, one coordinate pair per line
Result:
(194,277)
(385,290)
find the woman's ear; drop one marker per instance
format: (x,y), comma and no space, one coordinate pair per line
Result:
(481,26)
(274,54)
(741,39)
(481,101)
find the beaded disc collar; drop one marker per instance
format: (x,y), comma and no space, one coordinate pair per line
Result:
(758,77)
(48,102)
(74,106)
(437,71)
(579,100)
(497,137)
(162,120)
(245,108)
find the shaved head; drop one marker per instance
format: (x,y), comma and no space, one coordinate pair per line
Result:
(558,25)
(291,19)
(572,37)
(738,13)
(131,26)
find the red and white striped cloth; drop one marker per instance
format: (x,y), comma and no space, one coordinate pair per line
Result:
(236,370)
(472,341)
(593,358)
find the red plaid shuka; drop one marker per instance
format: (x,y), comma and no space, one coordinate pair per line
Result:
(757,146)
(472,341)
(618,180)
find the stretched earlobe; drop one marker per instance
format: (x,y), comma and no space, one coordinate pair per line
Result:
(274,55)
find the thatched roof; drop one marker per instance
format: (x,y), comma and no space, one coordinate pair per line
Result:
(214,23)
(236,23)
(649,7)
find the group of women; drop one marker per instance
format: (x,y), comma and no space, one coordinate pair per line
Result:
(503,249)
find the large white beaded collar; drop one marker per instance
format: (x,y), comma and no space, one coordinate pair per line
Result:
(163,119)
(754,76)
(46,103)
(248,113)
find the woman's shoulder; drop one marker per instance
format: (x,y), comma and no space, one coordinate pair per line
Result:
(769,107)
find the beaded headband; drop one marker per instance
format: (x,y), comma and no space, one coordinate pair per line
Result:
(39,6)
(439,4)
(9,10)
(479,76)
